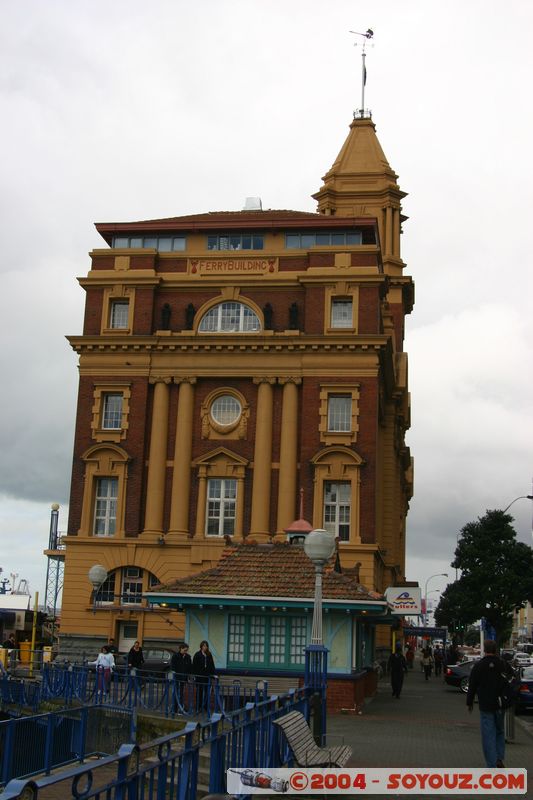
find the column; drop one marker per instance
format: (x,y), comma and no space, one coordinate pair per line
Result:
(388,231)
(396,233)
(181,476)
(202,500)
(260,522)
(288,455)
(157,459)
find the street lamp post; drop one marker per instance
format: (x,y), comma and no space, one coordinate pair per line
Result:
(319,546)
(522,497)
(97,576)
(436,575)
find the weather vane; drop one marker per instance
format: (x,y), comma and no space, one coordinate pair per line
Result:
(366,36)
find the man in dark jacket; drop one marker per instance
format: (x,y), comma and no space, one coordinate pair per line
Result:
(397,667)
(487,680)
(203,668)
(181,665)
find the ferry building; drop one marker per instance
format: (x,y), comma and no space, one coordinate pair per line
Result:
(238,370)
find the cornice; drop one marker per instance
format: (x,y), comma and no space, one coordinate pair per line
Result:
(179,343)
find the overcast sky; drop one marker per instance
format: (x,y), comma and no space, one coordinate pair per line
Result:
(122,110)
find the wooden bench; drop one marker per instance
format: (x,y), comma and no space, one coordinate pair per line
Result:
(305,750)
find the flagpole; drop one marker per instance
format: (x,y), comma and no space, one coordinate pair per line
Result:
(363,81)
(368,35)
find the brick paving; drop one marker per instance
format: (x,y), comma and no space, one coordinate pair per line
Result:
(429,726)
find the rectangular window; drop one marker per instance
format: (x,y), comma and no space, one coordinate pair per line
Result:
(256,645)
(339,413)
(267,641)
(119,314)
(105,507)
(322,239)
(278,642)
(106,592)
(112,412)
(235,241)
(236,637)
(132,587)
(298,640)
(164,244)
(337,503)
(342,313)
(221,506)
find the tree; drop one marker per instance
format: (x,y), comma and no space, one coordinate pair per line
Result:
(496,575)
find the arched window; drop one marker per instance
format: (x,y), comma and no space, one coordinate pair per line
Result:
(230,317)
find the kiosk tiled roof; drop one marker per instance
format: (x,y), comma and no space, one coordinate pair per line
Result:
(271,570)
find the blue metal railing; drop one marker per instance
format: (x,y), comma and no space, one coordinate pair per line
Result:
(37,744)
(168,695)
(167,768)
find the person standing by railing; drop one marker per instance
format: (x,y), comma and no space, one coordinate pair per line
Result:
(135,656)
(203,667)
(105,664)
(181,665)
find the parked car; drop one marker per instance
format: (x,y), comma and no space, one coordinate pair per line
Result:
(522,660)
(524,691)
(459,674)
(157,661)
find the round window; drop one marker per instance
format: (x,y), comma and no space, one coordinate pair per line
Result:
(226,410)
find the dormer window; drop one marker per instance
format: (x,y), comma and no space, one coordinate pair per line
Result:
(230,318)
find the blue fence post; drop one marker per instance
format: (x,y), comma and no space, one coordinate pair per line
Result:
(188,774)
(124,754)
(49,742)
(83,731)
(7,755)
(248,744)
(217,756)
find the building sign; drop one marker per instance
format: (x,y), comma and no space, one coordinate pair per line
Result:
(404,600)
(232,266)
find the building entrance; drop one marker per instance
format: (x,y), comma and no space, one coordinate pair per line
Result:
(127,635)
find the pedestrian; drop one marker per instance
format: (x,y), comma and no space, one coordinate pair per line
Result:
(111,646)
(427,662)
(410,656)
(438,658)
(203,668)
(453,654)
(135,656)
(181,665)
(397,667)
(105,664)
(487,681)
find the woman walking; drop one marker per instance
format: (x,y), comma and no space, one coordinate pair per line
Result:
(427,662)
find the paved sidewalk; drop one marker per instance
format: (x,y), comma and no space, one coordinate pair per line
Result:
(429,726)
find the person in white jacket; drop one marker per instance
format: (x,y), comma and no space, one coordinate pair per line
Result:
(105,664)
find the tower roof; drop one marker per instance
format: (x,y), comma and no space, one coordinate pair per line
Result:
(360,180)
